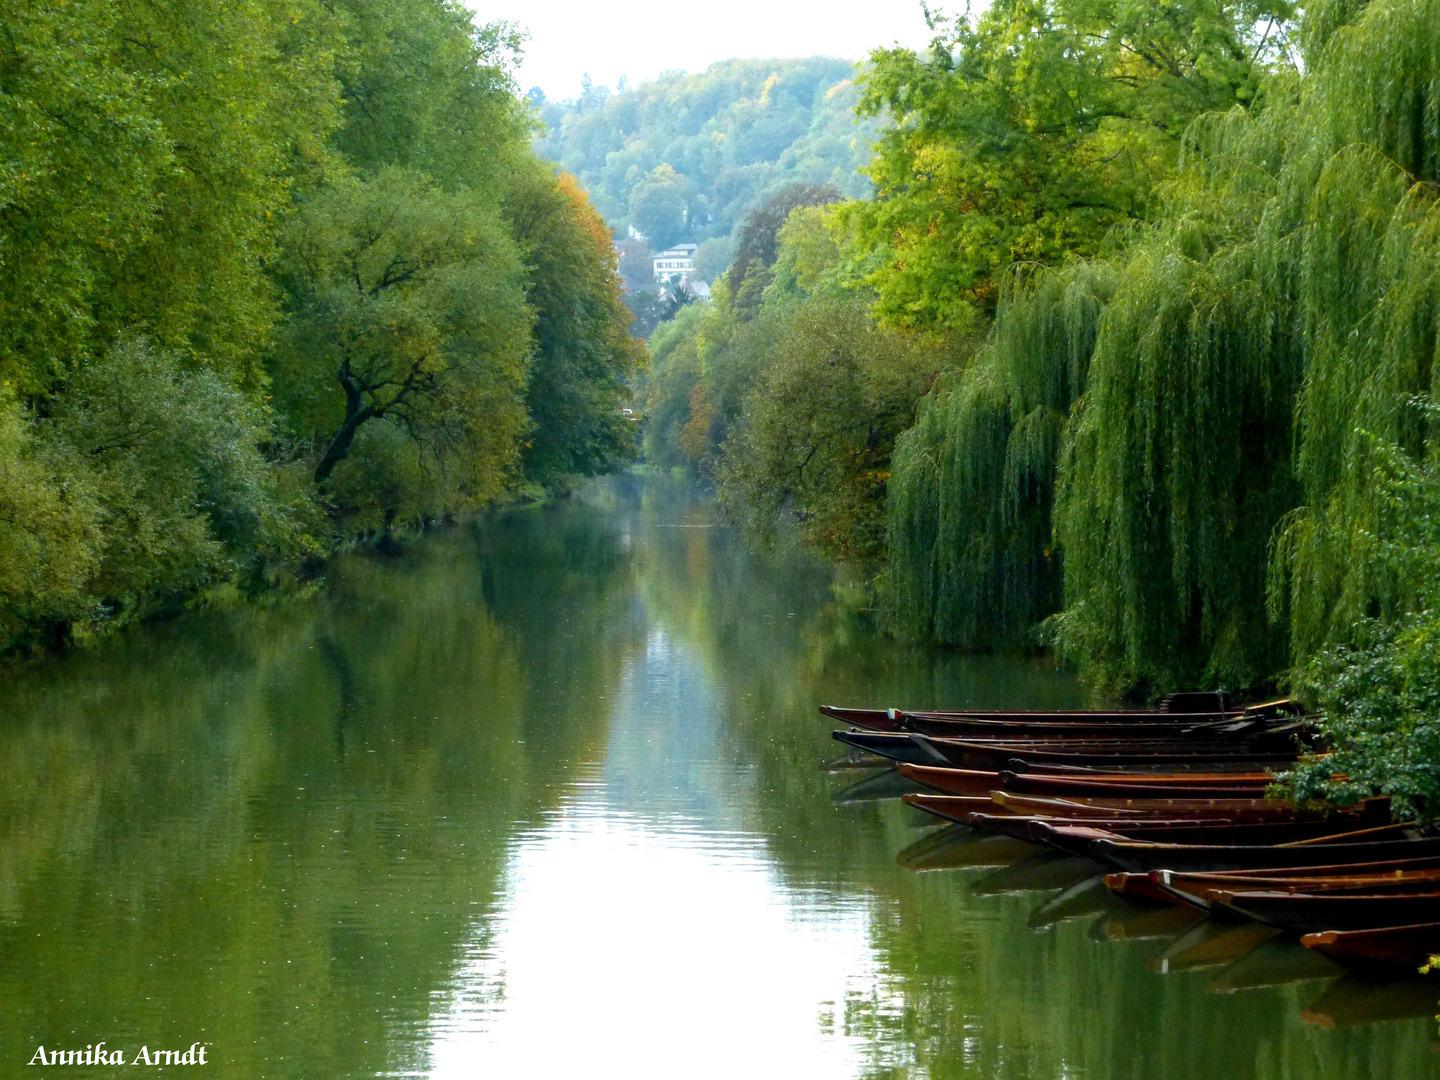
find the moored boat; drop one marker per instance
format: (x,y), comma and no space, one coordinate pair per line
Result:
(1203,889)
(1177,708)
(1137,856)
(1388,947)
(1314,912)
(1257,753)
(981,781)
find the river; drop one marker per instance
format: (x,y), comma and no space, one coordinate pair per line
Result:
(538,796)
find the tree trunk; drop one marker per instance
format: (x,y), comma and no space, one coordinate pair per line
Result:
(355,414)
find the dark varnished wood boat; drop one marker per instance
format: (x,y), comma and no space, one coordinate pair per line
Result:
(1313,912)
(1101,725)
(1133,785)
(995,755)
(1075,837)
(1177,708)
(976,782)
(1181,706)
(1203,889)
(1138,887)
(957,808)
(1157,884)
(1137,856)
(1389,947)
(1241,809)
(982,781)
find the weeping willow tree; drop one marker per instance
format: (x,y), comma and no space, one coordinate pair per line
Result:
(1370,307)
(1214,493)
(971,560)
(1278,324)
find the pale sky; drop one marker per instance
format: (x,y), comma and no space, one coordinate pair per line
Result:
(638,39)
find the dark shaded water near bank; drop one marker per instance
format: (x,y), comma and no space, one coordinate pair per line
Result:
(539,797)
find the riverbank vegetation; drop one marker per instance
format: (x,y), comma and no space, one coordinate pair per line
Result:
(1198,248)
(275,275)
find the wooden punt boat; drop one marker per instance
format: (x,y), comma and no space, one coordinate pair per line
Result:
(1139,827)
(1219,768)
(1072,835)
(1138,856)
(1202,889)
(1313,912)
(1381,947)
(1112,725)
(982,781)
(1020,755)
(903,719)
(958,808)
(977,782)
(1075,729)
(1376,868)
(1137,887)
(1164,884)
(1075,837)
(1026,756)
(1241,809)
(1182,707)
(983,813)
(1134,786)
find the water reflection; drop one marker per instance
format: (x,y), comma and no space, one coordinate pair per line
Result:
(539,797)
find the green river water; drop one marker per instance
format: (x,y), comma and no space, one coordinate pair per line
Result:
(538,797)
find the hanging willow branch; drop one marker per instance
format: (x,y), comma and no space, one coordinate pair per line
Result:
(1206,404)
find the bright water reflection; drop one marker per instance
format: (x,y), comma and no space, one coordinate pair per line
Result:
(538,797)
(655,924)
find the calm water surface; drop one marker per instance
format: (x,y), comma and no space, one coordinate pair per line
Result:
(539,797)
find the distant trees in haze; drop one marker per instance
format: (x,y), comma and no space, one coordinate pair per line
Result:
(686,155)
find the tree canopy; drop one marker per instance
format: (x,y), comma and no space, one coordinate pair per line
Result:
(1028,133)
(274,275)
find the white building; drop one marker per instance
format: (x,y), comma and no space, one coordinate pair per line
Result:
(677,262)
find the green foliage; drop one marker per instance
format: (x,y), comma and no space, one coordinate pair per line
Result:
(1283,303)
(672,385)
(1313,296)
(815,433)
(729,136)
(146,150)
(427,89)
(808,255)
(971,558)
(713,258)
(408,309)
(238,242)
(1378,691)
(1028,133)
(660,207)
(784,391)
(1175,471)
(48,533)
(579,387)
(758,242)
(172,456)
(144,484)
